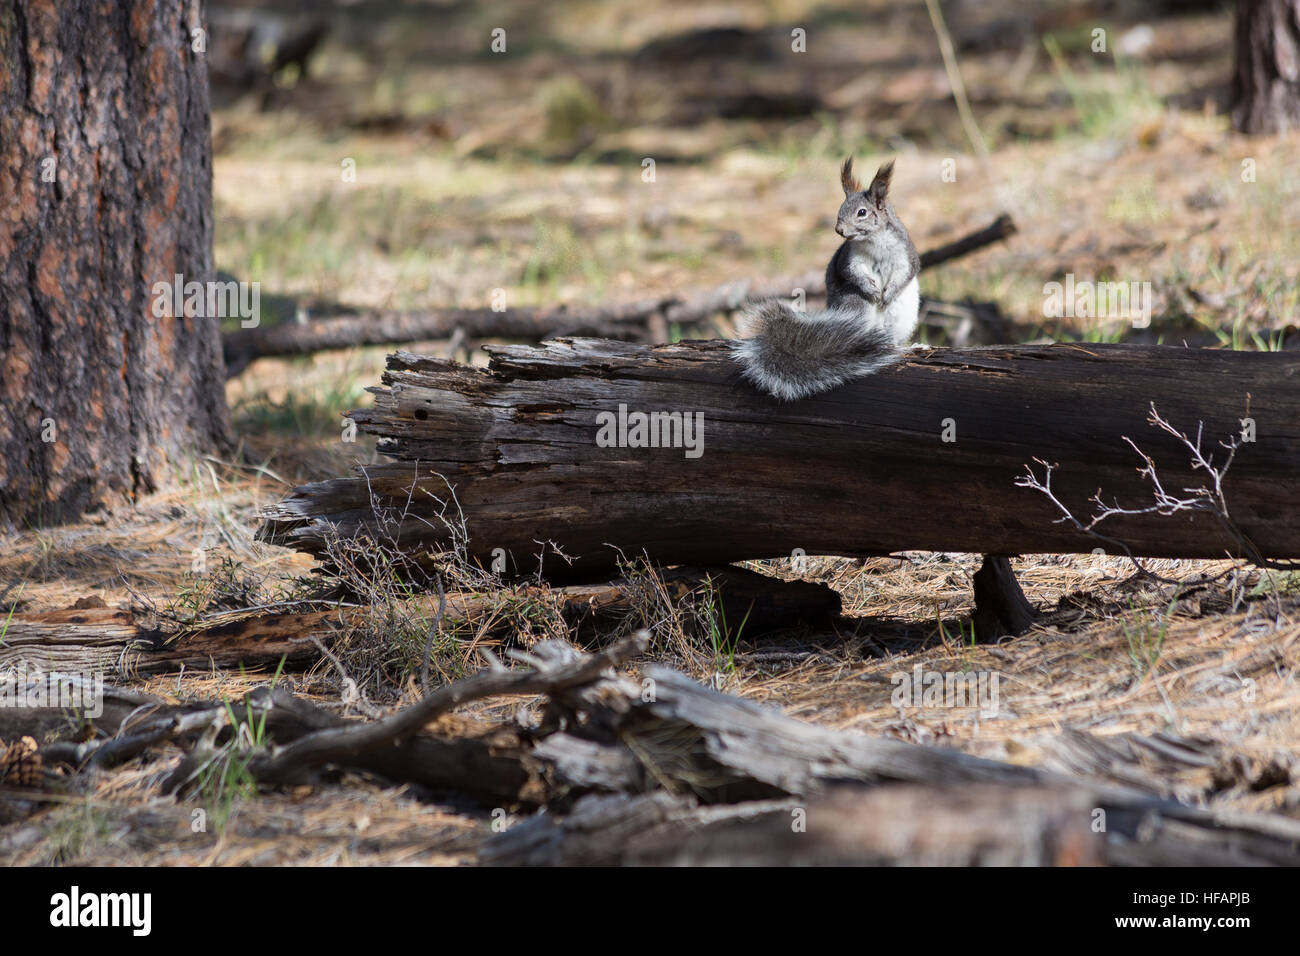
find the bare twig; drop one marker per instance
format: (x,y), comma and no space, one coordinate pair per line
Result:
(352,692)
(1208,498)
(434,630)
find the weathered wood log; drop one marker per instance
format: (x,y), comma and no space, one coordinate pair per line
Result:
(729,767)
(114,642)
(979,825)
(855,825)
(544,448)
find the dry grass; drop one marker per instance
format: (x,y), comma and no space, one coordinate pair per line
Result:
(1221,672)
(1110,659)
(357,823)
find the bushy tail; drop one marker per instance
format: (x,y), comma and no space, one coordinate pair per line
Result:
(792,355)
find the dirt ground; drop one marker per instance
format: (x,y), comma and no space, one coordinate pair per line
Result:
(524,172)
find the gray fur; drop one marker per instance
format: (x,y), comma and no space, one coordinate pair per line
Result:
(792,355)
(877,259)
(872,295)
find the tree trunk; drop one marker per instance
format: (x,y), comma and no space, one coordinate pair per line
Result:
(106,170)
(1266,79)
(924,455)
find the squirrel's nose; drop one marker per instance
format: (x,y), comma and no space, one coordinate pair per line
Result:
(839,230)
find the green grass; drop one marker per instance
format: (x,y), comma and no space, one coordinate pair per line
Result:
(1106,102)
(1099,331)
(314,413)
(1145,641)
(10,616)
(964,639)
(722,641)
(227,780)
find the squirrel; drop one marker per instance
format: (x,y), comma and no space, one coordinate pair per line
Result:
(873,302)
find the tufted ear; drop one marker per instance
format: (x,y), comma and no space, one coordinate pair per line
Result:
(879,188)
(848,180)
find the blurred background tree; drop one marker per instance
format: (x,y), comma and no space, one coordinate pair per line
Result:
(1266,80)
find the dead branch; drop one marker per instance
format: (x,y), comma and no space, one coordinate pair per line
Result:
(1203,498)
(623,322)
(1001,228)
(293,762)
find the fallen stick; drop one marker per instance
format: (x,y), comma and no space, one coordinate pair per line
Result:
(484,762)
(297,761)
(1001,228)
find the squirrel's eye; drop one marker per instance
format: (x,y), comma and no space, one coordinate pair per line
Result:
(861,213)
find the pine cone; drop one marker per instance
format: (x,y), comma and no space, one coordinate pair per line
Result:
(20,764)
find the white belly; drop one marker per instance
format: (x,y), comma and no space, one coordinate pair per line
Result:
(903,313)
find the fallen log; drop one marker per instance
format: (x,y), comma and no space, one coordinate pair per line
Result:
(389,328)
(543,452)
(120,643)
(907,825)
(661,770)
(978,825)
(626,321)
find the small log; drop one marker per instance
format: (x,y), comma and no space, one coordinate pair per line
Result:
(112,641)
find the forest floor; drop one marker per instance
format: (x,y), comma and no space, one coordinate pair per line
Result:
(523,172)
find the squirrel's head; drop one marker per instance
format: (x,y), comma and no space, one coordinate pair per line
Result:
(864,211)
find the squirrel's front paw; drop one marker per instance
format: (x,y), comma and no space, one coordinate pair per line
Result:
(921,347)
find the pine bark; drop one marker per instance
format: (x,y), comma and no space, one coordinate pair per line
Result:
(106,174)
(1266,81)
